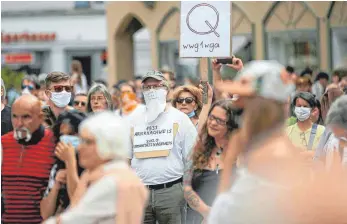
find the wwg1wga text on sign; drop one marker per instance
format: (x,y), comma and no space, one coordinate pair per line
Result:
(205,29)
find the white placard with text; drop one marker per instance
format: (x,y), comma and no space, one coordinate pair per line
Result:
(156,137)
(205,29)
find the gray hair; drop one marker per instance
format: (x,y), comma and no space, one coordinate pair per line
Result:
(111,133)
(104,91)
(3,89)
(337,114)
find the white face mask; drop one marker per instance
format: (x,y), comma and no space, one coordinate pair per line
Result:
(155,103)
(302,113)
(26,91)
(17,134)
(61,99)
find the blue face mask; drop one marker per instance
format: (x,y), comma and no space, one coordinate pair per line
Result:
(191,114)
(73,140)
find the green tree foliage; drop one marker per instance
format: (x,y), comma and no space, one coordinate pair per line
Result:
(12,78)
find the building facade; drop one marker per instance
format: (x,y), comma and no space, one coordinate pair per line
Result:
(47,36)
(301,34)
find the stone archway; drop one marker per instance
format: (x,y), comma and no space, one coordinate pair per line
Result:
(291,35)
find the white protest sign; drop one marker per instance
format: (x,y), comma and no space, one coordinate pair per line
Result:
(156,137)
(205,29)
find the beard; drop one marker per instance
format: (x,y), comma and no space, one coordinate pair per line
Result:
(19,136)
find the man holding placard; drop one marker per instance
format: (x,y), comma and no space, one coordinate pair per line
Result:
(162,139)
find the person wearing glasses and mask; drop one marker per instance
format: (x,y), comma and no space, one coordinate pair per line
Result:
(99,99)
(128,101)
(162,138)
(201,176)
(188,99)
(28,85)
(80,102)
(58,91)
(305,133)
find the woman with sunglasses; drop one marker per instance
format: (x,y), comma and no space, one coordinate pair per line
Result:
(202,173)
(99,99)
(187,99)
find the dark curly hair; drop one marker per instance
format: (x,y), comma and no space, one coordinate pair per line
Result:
(206,143)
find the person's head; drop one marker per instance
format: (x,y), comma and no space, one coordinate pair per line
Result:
(335,77)
(58,89)
(337,119)
(27,116)
(127,95)
(104,137)
(316,116)
(330,95)
(170,77)
(303,84)
(188,99)
(3,91)
(67,123)
(115,94)
(76,67)
(305,106)
(323,79)
(307,72)
(28,85)
(291,72)
(220,124)
(155,82)
(80,102)
(99,99)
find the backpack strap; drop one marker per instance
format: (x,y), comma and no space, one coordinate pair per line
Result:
(312,136)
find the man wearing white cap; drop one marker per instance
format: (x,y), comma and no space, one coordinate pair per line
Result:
(109,191)
(162,140)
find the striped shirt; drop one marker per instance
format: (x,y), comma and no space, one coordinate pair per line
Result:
(25,174)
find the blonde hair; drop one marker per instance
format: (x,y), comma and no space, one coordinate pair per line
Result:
(192,90)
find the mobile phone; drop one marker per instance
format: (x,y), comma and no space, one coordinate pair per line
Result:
(205,92)
(225,60)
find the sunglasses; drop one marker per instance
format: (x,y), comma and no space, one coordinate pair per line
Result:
(218,120)
(60,88)
(188,100)
(77,103)
(27,86)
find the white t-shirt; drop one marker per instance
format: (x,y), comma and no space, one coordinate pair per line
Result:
(333,145)
(162,170)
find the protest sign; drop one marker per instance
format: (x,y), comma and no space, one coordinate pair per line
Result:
(205,29)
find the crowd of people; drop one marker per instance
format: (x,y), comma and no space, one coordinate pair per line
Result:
(269,146)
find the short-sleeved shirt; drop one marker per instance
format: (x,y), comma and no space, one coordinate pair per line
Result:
(161,170)
(301,139)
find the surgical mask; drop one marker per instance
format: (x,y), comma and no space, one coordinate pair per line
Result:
(70,139)
(155,103)
(18,134)
(191,114)
(26,91)
(302,113)
(61,99)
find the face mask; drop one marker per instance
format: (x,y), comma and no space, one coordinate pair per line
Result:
(129,102)
(155,103)
(17,134)
(191,114)
(25,91)
(70,139)
(302,113)
(61,99)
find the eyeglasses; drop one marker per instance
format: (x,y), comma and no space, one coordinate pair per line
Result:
(188,100)
(99,98)
(218,120)
(27,86)
(60,88)
(155,87)
(77,103)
